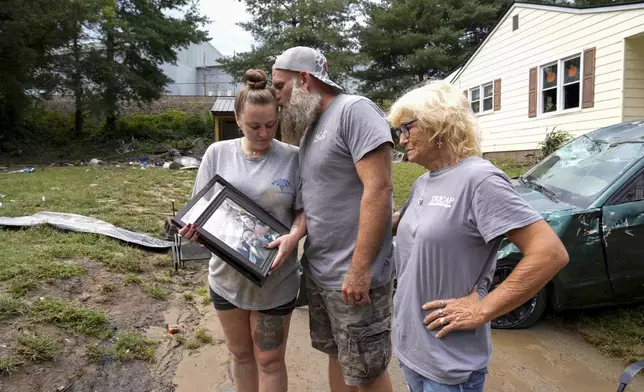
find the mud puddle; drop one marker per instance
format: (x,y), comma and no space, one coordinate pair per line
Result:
(545,358)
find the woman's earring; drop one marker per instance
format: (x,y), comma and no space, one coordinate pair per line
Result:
(440,142)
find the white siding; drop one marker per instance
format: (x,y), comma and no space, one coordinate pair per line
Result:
(545,36)
(634,79)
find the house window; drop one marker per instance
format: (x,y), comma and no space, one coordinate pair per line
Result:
(475,99)
(484,103)
(561,85)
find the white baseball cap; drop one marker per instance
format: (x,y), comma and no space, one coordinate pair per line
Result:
(305,59)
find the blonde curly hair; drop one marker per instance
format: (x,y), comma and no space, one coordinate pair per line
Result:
(440,109)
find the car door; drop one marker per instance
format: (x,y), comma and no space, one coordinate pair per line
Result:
(623,238)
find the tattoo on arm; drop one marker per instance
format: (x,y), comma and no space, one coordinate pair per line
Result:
(269,333)
(299,224)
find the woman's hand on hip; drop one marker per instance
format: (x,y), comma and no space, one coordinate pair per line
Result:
(455,314)
(287,244)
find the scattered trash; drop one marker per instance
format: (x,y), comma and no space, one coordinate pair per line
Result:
(96,162)
(172,166)
(188,161)
(85,224)
(1,205)
(144,165)
(29,170)
(173,329)
(43,198)
(2,196)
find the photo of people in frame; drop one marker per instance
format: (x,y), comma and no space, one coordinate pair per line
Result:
(241,231)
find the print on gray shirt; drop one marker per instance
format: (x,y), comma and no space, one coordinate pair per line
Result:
(445,247)
(272,181)
(348,129)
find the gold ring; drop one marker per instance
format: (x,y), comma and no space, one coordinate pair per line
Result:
(443,321)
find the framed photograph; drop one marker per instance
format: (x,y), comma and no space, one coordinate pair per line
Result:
(237,229)
(200,202)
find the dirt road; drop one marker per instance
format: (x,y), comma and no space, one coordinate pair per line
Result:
(543,359)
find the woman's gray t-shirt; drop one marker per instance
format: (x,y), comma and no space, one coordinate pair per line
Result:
(272,181)
(445,247)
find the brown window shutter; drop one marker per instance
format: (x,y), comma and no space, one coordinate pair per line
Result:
(497,94)
(588,87)
(532,93)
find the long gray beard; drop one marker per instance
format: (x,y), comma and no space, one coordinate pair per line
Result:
(299,114)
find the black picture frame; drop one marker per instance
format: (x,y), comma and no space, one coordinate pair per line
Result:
(229,236)
(200,202)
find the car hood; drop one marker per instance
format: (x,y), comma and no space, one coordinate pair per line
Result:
(543,204)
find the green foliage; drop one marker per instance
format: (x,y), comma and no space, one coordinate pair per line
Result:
(171,124)
(412,41)
(326,25)
(553,141)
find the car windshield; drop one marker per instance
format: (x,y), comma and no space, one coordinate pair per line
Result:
(578,172)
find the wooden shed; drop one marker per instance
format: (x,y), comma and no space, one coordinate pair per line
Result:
(223,113)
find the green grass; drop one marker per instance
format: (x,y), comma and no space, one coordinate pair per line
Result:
(128,346)
(617,332)
(188,296)
(203,336)
(404,175)
(193,344)
(71,317)
(9,364)
(36,347)
(154,291)
(132,279)
(11,307)
(133,345)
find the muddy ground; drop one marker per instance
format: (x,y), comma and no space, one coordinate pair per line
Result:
(545,358)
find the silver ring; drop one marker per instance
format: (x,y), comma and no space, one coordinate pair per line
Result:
(440,312)
(442,302)
(443,321)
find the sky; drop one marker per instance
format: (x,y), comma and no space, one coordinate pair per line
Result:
(225,35)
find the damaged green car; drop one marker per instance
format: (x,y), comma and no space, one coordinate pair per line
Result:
(591,192)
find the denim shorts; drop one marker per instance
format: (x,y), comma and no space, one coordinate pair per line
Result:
(418,383)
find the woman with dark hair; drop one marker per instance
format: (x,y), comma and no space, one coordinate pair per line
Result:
(256,320)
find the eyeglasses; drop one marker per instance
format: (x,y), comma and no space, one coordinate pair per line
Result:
(404,129)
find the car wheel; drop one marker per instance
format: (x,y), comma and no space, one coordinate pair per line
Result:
(527,314)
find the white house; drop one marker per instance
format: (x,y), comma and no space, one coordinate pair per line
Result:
(576,68)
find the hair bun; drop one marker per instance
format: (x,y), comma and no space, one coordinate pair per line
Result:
(255,79)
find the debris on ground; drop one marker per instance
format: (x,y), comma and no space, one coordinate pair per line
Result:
(28,170)
(85,224)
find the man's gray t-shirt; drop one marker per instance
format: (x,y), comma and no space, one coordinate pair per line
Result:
(272,181)
(445,247)
(347,130)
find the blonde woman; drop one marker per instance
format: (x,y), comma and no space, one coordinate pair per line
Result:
(447,236)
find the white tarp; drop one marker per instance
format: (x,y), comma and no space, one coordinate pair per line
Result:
(85,224)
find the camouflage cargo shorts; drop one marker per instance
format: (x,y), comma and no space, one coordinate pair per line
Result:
(360,336)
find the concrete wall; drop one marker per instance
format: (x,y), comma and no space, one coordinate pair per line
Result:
(190,104)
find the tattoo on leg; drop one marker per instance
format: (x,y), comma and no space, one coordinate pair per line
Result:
(269,334)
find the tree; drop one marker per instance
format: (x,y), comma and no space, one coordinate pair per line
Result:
(278,25)
(30,31)
(409,41)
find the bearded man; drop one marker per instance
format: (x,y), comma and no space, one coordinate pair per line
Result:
(345,168)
